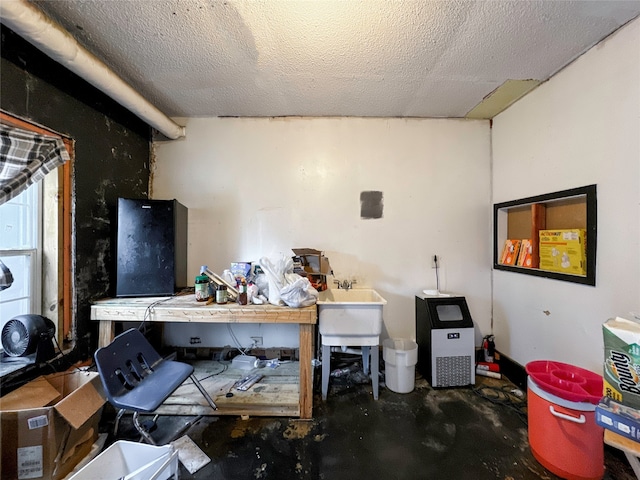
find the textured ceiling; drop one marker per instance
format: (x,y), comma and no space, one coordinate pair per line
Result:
(386,58)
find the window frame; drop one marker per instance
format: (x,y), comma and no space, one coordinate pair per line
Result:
(64,321)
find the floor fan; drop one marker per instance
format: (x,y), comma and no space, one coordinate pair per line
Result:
(28,334)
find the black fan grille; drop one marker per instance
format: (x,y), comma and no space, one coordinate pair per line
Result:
(15,338)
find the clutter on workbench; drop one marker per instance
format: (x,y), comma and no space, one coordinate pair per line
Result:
(286,287)
(311,263)
(291,281)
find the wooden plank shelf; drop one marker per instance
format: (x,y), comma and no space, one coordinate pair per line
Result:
(277,394)
(575,208)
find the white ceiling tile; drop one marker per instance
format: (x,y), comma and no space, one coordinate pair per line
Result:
(429,58)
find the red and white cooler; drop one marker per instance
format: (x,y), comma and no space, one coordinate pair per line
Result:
(563,434)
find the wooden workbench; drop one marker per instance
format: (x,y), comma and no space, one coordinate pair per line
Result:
(184,308)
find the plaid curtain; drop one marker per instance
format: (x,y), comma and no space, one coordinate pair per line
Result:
(25,158)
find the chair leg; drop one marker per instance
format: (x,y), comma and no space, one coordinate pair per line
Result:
(121,412)
(204,392)
(142,430)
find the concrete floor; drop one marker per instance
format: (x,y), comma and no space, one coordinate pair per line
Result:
(425,434)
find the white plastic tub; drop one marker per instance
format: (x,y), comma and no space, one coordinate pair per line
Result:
(350,317)
(132,461)
(400,357)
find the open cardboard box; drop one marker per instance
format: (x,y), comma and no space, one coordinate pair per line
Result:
(315,265)
(49,424)
(313,261)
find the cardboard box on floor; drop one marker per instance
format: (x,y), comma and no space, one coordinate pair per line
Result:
(49,424)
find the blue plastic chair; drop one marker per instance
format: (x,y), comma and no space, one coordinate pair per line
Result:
(136,378)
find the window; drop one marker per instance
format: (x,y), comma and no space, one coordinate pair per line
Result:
(36,243)
(20,251)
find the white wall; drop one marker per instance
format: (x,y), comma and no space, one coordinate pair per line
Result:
(582,127)
(257,187)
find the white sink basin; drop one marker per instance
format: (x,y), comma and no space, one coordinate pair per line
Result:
(350,317)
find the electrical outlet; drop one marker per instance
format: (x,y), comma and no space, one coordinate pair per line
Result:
(257,341)
(435,261)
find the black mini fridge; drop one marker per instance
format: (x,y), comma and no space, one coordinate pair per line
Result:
(151,247)
(446,341)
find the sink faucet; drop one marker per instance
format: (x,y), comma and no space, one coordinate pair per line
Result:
(345,284)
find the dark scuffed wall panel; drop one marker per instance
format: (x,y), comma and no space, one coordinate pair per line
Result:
(112,152)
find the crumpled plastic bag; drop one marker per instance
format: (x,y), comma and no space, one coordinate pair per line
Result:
(299,294)
(286,287)
(275,272)
(262,282)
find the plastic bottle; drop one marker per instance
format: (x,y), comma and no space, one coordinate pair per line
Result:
(340,372)
(202,285)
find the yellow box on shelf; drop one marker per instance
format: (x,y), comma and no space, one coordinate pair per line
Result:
(563,251)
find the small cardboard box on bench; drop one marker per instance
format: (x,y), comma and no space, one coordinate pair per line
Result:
(315,266)
(49,425)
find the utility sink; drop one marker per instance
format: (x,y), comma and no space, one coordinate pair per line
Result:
(350,317)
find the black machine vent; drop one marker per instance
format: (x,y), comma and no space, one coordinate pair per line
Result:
(453,371)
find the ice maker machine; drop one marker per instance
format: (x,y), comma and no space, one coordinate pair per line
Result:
(446,341)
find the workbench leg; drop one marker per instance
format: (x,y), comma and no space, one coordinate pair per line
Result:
(306,377)
(106,332)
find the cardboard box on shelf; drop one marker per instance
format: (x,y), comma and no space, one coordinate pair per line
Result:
(621,376)
(240,270)
(313,261)
(314,265)
(49,424)
(563,251)
(510,252)
(524,257)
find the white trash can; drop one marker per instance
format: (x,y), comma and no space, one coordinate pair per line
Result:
(132,461)
(400,358)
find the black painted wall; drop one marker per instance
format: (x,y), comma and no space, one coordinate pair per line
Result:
(112,153)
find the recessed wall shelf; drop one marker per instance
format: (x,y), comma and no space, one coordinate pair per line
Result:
(575,208)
